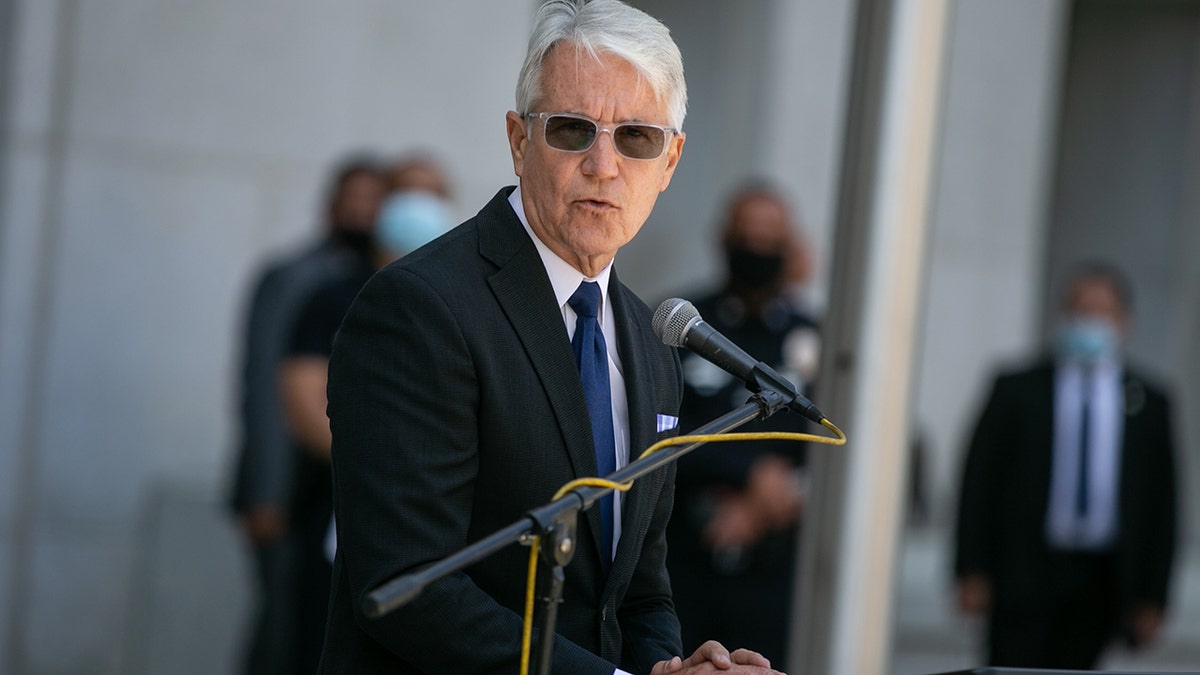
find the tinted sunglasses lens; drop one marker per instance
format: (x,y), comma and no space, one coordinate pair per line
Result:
(572,134)
(639,141)
(576,134)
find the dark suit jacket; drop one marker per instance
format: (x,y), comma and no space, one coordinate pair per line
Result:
(456,405)
(264,462)
(1006,488)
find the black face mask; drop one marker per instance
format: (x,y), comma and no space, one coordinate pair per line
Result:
(754,271)
(357,241)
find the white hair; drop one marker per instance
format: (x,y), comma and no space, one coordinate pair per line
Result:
(608,27)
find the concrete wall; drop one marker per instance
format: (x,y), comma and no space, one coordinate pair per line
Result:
(154,153)
(765,82)
(986,244)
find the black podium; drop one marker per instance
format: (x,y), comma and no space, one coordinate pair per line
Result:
(1043,671)
(1037,671)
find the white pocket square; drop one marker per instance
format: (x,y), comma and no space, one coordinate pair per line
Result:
(666,423)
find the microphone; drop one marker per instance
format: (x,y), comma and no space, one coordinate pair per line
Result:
(677,323)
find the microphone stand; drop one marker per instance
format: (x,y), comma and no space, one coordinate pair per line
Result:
(555,523)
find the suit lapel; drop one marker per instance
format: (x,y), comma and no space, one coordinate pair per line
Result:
(1133,403)
(638,503)
(523,291)
(1040,407)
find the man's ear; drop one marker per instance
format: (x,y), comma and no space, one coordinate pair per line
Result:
(517,139)
(674,151)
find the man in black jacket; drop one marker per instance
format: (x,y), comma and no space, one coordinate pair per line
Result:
(263,494)
(1066,527)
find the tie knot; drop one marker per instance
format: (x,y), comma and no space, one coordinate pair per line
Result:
(586,299)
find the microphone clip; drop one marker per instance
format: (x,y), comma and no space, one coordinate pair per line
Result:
(764,379)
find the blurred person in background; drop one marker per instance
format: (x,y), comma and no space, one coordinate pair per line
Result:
(412,214)
(262,485)
(1067,517)
(418,173)
(733,535)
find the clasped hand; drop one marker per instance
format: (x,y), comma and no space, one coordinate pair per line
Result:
(712,657)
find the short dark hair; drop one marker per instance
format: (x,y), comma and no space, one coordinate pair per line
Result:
(750,190)
(1103,271)
(348,168)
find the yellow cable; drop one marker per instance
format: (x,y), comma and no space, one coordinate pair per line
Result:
(527,627)
(838,438)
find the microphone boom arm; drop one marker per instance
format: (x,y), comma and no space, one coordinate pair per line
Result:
(402,589)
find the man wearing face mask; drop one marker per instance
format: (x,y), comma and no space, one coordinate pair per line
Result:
(738,505)
(413,214)
(1066,523)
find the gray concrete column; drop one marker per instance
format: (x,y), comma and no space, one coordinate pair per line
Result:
(850,542)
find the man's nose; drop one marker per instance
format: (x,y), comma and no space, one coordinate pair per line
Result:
(601,160)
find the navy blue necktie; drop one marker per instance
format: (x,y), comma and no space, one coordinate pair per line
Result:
(591,356)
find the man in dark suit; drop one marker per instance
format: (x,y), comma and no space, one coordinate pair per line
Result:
(474,377)
(263,493)
(1066,529)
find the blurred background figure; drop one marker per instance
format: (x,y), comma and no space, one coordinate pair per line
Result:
(418,173)
(1066,524)
(416,209)
(412,213)
(265,492)
(734,531)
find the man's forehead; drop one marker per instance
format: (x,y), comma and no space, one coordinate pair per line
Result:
(574,79)
(1095,293)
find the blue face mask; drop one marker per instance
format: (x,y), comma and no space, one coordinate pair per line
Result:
(1087,339)
(409,220)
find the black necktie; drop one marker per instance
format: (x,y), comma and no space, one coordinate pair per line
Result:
(1085,442)
(591,356)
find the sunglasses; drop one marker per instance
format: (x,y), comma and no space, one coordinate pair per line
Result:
(575,133)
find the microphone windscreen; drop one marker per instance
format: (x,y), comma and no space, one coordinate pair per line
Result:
(673,319)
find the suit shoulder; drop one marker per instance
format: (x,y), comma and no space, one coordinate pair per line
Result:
(1152,386)
(1018,374)
(441,264)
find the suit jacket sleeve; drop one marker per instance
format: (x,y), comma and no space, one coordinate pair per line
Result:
(1155,534)
(647,617)
(977,530)
(265,455)
(402,401)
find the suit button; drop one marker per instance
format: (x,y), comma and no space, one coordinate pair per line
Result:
(604,613)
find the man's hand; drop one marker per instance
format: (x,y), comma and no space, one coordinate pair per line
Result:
(712,657)
(775,490)
(1144,625)
(264,524)
(735,522)
(974,594)
(772,500)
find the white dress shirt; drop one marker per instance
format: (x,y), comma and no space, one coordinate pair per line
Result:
(1101,384)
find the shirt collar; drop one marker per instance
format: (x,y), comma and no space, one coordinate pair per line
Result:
(563,278)
(1104,369)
